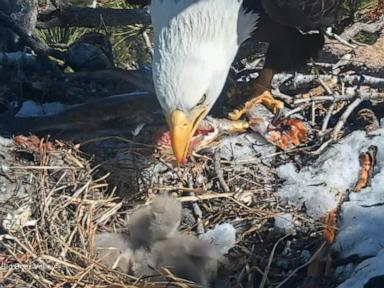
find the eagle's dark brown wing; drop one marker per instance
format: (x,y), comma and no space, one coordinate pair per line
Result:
(303,14)
(281,24)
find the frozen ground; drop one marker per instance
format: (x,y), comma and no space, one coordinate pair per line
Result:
(245,148)
(320,187)
(369,273)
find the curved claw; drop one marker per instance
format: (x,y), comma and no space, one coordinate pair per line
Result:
(265,98)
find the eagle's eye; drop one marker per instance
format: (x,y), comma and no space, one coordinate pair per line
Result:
(202,100)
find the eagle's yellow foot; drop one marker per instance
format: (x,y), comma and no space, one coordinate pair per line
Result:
(259,90)
(264,97)
(237,126)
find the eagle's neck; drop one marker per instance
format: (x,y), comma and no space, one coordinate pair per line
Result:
(194,37)
(209,19)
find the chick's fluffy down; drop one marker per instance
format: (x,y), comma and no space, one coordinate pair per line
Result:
(113,250)
(156,222)
(188,257)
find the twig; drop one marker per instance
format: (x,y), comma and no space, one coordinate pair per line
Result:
(89,17)
(343,41)
(43,167)
(325,86)
(196,210)
(279,95)
(42,281)
(321,148)
(313,113)
(344,61)
(36,45)
(327,117)
(300,80)
(147,41)
(219,171)
(345,116)
(340,124)
(266,271)
(205,197)
(314,256)
(41,49)
(118,138)
(297,110)
(373,95)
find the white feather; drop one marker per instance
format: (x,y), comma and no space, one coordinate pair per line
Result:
(195,44)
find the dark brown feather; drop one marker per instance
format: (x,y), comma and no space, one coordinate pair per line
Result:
(303,14)
(283,24)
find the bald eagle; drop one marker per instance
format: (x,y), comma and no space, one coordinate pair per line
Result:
(196,42)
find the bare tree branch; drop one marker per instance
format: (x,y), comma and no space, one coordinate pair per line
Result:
(138,2)
(36,45)
(299,80)
(92,18)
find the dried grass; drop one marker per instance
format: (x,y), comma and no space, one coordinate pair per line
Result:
(49,241)
(51,246)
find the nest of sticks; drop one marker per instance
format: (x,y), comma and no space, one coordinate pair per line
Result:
(48,227)
(48,230)
(58,199)
(58,204)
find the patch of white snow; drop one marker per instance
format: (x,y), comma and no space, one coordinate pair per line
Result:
(362,229)
(365,271)
(319,186)
(245,148)
(284,223)
(223,236)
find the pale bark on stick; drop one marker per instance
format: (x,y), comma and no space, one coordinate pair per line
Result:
(343,119)
(373,95)
(301,80)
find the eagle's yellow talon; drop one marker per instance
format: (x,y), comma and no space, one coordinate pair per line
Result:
(265,99)
(238,126)
(271,103)
(235,114)
(259,90)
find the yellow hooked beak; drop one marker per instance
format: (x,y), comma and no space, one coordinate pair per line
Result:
(183,126)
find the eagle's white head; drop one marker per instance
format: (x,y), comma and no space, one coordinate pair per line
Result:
(196,42)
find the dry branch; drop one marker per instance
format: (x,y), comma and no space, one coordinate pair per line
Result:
(350,96)
(138,2)
(92,115)
(344,117)
(68,206)
(40,48)
(117,80)
(302,80)
(219,171)
(343,41)
(69,16)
